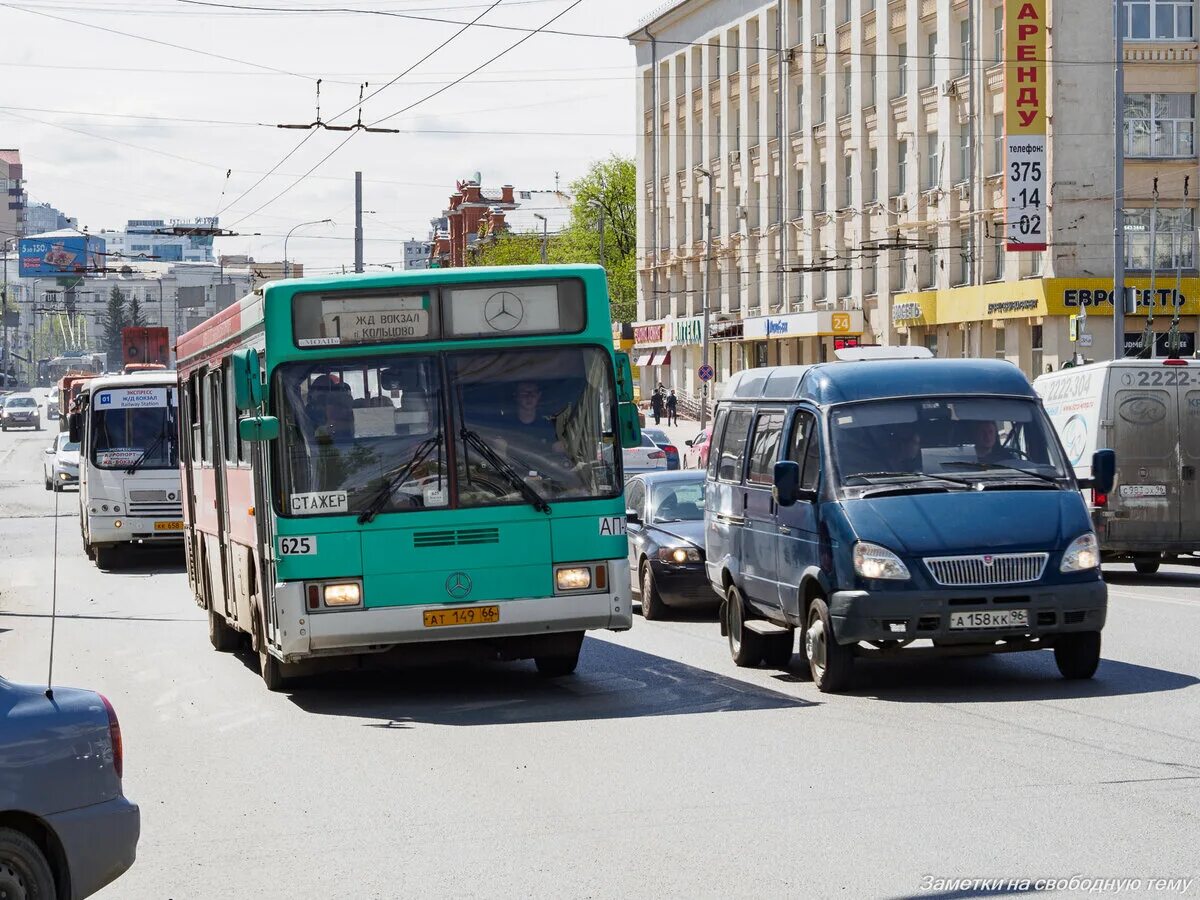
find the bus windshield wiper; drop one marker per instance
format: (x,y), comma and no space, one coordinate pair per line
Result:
(149,451)
(398,477)
(501,466)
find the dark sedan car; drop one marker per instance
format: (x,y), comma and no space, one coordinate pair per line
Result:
(665,515)
(66,829)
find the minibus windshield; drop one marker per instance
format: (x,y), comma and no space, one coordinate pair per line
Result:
(944,438)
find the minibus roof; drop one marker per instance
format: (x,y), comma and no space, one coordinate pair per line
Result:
(842,382)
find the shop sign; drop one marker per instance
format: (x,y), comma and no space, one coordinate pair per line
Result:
(648,334)
(1026,89)
(906,312)
(687,331)
(805,324)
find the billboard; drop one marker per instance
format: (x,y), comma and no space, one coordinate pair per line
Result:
(61,253)
(1026,94)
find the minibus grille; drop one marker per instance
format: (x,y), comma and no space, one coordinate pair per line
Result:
(456,537)
(1001,568)
(165,509)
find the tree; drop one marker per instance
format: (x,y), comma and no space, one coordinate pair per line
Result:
(134,317)
(113,323)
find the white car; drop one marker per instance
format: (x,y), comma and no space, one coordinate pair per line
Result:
(60,463)
(648,457)
(21,411)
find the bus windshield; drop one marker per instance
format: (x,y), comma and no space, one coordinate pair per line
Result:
(134,427)
(371,434)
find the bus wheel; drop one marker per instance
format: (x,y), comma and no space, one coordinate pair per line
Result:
(830,662)
(223,638)
(745,646)
(105,555)
(271,670)
(565,657)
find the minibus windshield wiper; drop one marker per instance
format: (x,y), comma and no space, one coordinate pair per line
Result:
(149,451)
(501,466)
(887,477)
(995,467)
(398,477)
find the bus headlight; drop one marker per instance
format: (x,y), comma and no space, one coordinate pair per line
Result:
(573,578)
(116,523)
(1083,554)
(348,594)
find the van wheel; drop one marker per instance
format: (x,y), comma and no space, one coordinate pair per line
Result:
(831,664)
(745,646)
(652,602)
(1146,566)
(1077,654)
(105,555)
(223,638)
(24,871)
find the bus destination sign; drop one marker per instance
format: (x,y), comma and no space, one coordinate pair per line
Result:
(367,319)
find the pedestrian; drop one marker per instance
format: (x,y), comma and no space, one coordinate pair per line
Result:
(672,408)
(656,406)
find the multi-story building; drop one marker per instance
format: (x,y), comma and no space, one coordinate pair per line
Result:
(416,254)
(179,240)
(12,196)
(42,217)
(881,215)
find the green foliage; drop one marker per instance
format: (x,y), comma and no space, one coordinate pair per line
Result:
(134,316)
(114,321)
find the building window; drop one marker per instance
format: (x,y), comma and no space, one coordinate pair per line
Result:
(901,69)
(998,144)
(844,15)
(964,47)
(998,251)
(1035,342)
(901,167)
(822,196)
(847,87)
(821,15)
(964,154)
(847,184)
(869,276)
(998,33)
(800,196)
(874,157)
(872,74)
(714,61)
(799,107)
(1001,342)
(1159,20)
(964,255)
(932,160)
(733,51)
(819,105)
(1167,239)
(931,49)
(1160,125)
(928,267)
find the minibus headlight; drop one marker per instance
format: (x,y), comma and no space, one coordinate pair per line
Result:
(873,561)
(1083,554)
(573,578)
(348,594)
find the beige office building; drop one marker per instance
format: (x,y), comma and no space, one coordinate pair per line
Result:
(881,215)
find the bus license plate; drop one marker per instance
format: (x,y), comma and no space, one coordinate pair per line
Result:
(999,618)
(168,526)
(463,615)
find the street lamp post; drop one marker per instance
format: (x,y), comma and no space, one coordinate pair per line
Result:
(708,260)
(286,268)
(599,208)
(545,235)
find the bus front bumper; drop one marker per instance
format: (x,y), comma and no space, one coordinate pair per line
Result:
(104,530)
(302,634)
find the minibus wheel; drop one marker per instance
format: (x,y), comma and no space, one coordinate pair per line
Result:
(745,646)
(831,663)
(1147,566)
(1077,654)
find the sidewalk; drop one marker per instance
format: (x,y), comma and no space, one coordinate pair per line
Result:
(679,434)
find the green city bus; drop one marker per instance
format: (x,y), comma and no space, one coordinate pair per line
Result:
(408,466)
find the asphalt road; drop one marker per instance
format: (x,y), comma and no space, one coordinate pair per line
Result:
(659,770)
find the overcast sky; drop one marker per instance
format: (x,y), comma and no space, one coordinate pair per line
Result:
(551,105)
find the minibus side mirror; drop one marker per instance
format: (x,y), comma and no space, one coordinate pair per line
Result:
(1104,470)
(631,425)
(247,379)
(624,378)
(258,428)
(786,489)
(75,427)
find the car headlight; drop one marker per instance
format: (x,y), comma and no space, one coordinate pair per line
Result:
(679,555)
(1083,554)
(348,594)
(873,561)
(573,578)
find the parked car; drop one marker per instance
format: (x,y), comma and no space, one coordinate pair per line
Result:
(665,524)
(700,444)
(66,828)
(881,502)
(1148,411)
(644,458)
(60,463)
(663,440)
(21,411)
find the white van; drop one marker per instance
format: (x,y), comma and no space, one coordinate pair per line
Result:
(1148,411)
(129,484)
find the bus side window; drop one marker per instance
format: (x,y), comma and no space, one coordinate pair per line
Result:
(230,410)
(184,415)
(205,422)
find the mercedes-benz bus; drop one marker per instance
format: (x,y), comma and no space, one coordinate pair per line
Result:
(420,464)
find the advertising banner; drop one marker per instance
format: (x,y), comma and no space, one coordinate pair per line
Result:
(50,255)
(1026,93)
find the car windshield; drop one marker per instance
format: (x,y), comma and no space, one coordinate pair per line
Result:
(22,403)
(945,438)
(678,501)
(370,434)
(134,426)
(66,445)
(658,437)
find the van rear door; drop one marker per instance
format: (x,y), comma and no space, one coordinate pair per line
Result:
(1144,506)
(1188,383)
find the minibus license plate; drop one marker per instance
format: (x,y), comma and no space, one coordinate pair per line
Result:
(463,615)
(168,526)
(990,618)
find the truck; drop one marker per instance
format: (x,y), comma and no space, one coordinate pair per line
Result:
(145,349)
(1148,411)
(65,395)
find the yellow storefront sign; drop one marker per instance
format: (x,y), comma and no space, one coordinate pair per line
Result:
(1040,297)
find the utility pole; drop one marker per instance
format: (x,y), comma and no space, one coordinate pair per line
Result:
(4,312)
(545,234)
(708,261)
(1118,296)
(599,208)
(358,214)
